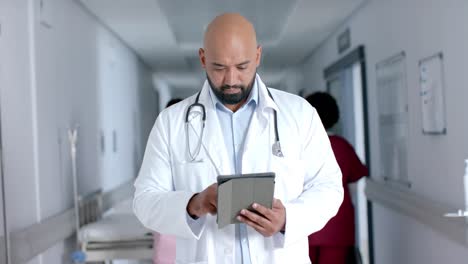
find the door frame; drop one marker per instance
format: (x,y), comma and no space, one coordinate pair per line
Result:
(2,178)
(3,197)
(358,56)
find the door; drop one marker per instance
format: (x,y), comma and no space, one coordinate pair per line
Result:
(346,83)
(3,233)
(3,230)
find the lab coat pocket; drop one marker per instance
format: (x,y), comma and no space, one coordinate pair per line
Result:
(289,181)
(193,176)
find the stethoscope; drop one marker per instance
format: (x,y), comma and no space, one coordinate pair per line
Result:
(275,148)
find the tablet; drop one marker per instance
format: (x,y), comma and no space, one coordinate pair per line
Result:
(240,191)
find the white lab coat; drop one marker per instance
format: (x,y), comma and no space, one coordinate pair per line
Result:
(308,179)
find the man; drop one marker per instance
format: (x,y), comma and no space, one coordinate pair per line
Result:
(176,190)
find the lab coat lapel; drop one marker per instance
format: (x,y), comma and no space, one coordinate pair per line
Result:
(213,137)
(258,136)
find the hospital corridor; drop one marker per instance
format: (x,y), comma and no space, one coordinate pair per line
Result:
(349,117)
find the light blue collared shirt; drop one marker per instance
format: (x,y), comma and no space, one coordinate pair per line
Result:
(234,127)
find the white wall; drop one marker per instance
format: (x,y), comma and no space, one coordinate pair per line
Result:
(291,81)
(125,102)
(164,91)
(18,137)
(420,28)
(74,71)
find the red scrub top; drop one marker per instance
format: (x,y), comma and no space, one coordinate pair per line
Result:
(339,231)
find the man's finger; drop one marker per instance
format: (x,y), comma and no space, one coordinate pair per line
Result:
(277,203)
(263,210)
(254,217)
(214,203)
(212,210)
(252,224)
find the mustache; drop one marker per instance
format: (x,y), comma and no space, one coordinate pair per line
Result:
(225,87)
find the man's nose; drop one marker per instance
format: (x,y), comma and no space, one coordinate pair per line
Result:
(230,77)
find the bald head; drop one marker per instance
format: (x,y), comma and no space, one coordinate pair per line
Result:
(228,27)
(230,56)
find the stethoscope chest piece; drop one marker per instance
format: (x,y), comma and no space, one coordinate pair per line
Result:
(276,149)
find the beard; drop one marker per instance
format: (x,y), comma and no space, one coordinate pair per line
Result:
(231,98)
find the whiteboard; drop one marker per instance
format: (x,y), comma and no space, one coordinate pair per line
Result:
(392,98)
(431,81)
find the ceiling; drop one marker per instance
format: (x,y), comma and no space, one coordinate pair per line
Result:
(167,34)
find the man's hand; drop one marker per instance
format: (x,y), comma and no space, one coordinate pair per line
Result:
(204,202)
(267,221)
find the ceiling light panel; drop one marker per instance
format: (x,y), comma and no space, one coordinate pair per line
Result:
(188,19)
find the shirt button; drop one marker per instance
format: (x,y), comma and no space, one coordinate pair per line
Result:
(227,251)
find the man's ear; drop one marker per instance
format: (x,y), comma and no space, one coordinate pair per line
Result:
(201,54)
(258,58)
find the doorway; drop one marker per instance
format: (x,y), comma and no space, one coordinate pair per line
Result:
(3,227)
(3,230)
(346,81)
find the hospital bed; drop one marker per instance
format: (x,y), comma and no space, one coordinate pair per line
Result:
(105,236)
(115,234)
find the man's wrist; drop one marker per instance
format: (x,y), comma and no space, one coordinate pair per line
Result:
(194,217)
(283,229)
(190,210)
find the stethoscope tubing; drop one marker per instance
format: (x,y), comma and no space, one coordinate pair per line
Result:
(276,148)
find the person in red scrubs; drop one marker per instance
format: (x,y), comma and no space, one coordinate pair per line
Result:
(334,242)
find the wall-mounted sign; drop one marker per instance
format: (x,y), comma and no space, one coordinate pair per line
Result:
(344,41)
(431,78)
